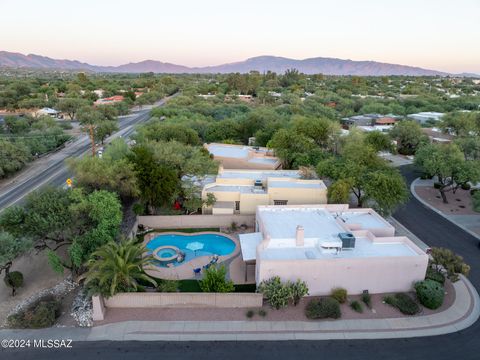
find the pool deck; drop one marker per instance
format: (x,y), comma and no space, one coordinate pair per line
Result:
(185,270)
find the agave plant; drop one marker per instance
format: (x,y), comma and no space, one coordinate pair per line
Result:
(117,267)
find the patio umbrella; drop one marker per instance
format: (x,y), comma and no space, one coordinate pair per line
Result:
(194,246)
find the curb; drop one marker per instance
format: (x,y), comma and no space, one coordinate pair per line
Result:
(412,190)
(464,312)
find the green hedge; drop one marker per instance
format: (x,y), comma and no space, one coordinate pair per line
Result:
(430,293)
(403,302)
(323,308)
(434,275)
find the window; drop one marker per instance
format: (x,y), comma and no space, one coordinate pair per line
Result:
(280,202)
(237,205)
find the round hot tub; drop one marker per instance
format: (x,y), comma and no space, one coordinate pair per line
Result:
(168,254)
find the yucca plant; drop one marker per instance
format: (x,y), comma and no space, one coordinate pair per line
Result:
(117,267)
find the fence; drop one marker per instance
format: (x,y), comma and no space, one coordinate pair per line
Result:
(175,300)
(195,221)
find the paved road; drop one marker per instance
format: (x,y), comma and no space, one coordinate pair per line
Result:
(56,172)
(427,225)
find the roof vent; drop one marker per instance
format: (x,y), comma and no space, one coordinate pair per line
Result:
(348,240)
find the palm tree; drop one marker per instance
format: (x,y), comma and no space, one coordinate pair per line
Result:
(117,267)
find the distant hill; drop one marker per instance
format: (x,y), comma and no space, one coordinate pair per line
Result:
(327,66)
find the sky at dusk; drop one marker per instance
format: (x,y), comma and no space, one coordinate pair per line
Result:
(435,34)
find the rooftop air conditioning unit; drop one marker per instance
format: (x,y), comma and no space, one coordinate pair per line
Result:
(348,240)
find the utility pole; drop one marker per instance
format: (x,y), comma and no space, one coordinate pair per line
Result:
(92,138)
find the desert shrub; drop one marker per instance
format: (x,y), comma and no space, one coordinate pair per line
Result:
(339,294)
(430,293)
(437,185)
(323,308)
(249,314)
(277,294)
(451,262)
(367,299)
(168,286)
(262,312)
(40,315)
(215,280)
(299,290)
(356,306)
(14,280)
(465,186)
(402,302)
(435,275)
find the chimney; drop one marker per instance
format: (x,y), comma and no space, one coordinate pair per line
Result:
(299,238)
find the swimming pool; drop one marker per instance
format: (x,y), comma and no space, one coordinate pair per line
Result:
(194,245)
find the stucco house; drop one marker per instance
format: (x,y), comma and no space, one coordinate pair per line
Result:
(233,156)
(330,246)
(241,191)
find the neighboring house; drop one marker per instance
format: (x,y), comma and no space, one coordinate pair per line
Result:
(330,246)
(241,191)
(110,100)
(370,120)
(423,117)
(437,136)
(46,111)
(243,157)
(381,128)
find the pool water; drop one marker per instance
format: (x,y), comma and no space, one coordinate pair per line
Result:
(213,244)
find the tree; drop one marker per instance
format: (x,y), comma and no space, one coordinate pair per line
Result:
(93,173)
(448,164)
(14,156)
(70,106)
(192,200)
(461,124)
(215,280)
(117,267)
(379,141)
(157,182)
(104,129)
(293,149)
(322,131)
(368,176)
(157,130)
(339,192)
(11,247)
(409,137)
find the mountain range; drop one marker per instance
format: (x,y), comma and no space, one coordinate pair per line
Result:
(327,66)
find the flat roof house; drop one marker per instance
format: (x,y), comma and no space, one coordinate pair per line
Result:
(243,157)
(330,246)
(423,117)
(241,191)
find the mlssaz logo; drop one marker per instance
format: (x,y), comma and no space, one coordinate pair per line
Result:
(52,344)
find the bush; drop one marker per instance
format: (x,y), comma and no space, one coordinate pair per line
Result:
(435,275)
(277,294)
(262,312)
(367,299)
(323,308)
(465,186)
(41,315)
(299,290)
(437,185)
(215,280)
(339,294)
(14,280)
(356,306)
(168,286)
(451,262)
(430,293)
(403,302)
(425,176)
(249,314)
